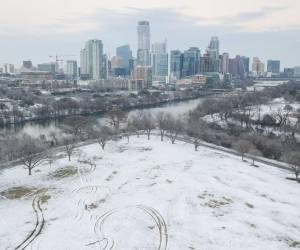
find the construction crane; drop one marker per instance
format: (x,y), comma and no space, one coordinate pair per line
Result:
(59,59)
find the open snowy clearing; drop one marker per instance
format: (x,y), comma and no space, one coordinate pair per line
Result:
(149,195)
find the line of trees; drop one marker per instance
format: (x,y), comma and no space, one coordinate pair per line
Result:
(80,128)
(31,103)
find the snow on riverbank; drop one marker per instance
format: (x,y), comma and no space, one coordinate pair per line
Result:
(150,195)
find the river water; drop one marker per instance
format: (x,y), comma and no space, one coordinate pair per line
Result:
(35,129)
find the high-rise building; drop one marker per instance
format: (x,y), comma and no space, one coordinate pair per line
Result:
(27,64)
(143,74)
(273,66)
(246,63)
(125,53)
(297,71)
(48,67)
(117,66)
(8,68)
(191,62)
(160,62)
(159,48)
(258,67)
(94,59)
(224,63)
(83,63)
(236,67)
(71,69)
(143,53)
(289,72)
(106,66)
(214,47)
(176,64)
(208,64)
(117,62)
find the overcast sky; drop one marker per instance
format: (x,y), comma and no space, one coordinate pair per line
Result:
(35,29)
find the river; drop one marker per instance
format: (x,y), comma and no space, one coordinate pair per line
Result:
(36,129)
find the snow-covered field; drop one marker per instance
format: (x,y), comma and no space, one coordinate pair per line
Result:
(149,195)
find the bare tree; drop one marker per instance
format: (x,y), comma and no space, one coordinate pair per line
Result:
(129,129)
(254,153)
(32,152)
(50,157)
(281,115)
(102,135)
(293,159)
(174,127)
(161,119)
(196,129)
(78,125)
(136,123)
(69,144)
(116,117)
(243,147)
(148,123)
(54,136)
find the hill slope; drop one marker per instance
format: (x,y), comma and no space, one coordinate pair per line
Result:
(149,195)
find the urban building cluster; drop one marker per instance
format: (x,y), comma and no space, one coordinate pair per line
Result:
(152,65)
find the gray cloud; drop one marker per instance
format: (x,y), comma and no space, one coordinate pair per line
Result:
(181,31)
(251,16)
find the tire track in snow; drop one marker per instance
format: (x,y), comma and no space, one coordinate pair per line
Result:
(83,203)
(39,224)
(106,243)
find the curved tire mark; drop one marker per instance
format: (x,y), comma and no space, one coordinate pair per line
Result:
(153,213)
(39,225)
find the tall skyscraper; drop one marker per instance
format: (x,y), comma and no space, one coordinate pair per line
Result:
(125,53)
(224,63)
(176,64)
(246,63)
(143,74)
(191,62)
(214,47)
(117,66)
(71,69)
(94,59)
(159,62)
(273,66)
(297,71)
(143,53)
(258,67)
(83,63)
(208,64)
(8,68)
(236,67)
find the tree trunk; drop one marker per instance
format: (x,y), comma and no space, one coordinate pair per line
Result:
(161,136)
(29,171)
(69,156)
(148,134)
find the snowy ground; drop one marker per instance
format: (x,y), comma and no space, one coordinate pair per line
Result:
(150,195)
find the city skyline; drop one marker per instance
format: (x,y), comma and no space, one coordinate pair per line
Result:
(241,27)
